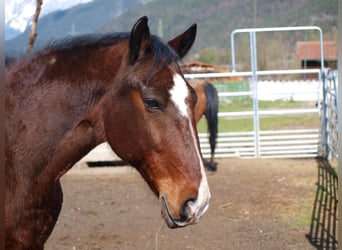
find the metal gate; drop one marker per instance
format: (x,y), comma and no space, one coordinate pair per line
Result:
(277,143)
(330,114)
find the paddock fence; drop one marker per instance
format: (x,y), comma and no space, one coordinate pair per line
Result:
(284,142)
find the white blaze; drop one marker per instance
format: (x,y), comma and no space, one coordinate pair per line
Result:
(179,93)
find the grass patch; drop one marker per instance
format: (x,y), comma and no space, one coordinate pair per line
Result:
(243,124)
(299,215)
(233,104)
(266,123)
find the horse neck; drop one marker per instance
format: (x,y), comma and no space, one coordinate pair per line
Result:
(59,114)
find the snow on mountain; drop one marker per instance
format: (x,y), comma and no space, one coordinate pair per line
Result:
(19,13)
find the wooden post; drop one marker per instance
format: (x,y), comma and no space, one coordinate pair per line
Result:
(33,33)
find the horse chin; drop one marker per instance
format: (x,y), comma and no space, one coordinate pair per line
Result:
(169,219)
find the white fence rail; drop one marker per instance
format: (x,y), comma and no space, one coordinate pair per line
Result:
(273,144)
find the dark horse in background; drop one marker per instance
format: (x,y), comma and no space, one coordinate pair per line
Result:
(207,105)
(125,88)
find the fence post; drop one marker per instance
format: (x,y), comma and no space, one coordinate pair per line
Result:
(254,69)
(232,48)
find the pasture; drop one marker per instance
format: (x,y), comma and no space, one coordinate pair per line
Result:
(255,204)
(245,103)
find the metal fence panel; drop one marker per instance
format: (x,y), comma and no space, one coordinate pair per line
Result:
(330,114)
(279,143)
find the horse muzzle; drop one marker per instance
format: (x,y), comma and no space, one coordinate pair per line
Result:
(190,212)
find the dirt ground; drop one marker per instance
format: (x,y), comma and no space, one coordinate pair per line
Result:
(256,204)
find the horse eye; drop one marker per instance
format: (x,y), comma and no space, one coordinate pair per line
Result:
(152,104)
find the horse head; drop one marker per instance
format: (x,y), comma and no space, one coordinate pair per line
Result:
(150,123)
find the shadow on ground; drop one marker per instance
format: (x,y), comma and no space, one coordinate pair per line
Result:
(323,228)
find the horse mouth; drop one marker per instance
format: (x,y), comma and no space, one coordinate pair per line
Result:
(170,220)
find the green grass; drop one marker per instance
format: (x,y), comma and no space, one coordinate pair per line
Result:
(299,214)
(235,124)
(266,123)
(245,103)
(234,104)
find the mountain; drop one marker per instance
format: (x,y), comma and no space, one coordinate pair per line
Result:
(216,20)
(80,19)
(19,13)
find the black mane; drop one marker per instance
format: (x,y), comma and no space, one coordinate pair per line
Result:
(163,54)
(88,40)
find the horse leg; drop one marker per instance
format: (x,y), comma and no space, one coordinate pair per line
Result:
(212,165)
(36,222)
(53,209)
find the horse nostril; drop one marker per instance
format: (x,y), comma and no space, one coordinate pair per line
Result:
(185,211)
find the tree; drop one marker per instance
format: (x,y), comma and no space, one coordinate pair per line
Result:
(33,33)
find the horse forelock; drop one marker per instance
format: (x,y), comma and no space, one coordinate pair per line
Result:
(163,54)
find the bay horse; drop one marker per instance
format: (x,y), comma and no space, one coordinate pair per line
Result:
(124,88)
(207,105)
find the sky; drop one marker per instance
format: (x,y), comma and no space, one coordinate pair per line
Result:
(18,13)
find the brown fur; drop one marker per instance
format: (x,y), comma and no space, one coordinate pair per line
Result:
(201,103)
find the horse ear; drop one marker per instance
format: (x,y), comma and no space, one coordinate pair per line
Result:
(182,43)
(140,39)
